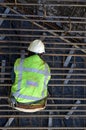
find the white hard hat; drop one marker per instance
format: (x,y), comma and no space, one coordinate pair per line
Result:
(36,46)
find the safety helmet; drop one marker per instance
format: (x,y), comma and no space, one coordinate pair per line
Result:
(36,46)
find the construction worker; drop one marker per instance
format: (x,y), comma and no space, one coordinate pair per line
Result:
(32,74)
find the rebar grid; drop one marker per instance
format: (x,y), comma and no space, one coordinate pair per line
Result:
(62,27)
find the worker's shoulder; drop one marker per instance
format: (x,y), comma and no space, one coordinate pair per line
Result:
(47,66)
(17,60)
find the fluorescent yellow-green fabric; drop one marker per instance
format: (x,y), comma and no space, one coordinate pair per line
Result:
(32,77)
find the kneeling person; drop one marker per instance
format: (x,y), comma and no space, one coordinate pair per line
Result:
(32,74)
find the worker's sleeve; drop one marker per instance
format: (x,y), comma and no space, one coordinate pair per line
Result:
(48,72)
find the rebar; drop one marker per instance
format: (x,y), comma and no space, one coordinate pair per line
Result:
(61,25)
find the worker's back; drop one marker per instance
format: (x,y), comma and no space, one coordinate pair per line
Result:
(32,76)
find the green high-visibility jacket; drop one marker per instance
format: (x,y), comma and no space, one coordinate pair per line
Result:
(32,75)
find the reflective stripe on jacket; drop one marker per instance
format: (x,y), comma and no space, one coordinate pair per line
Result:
(32,76)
